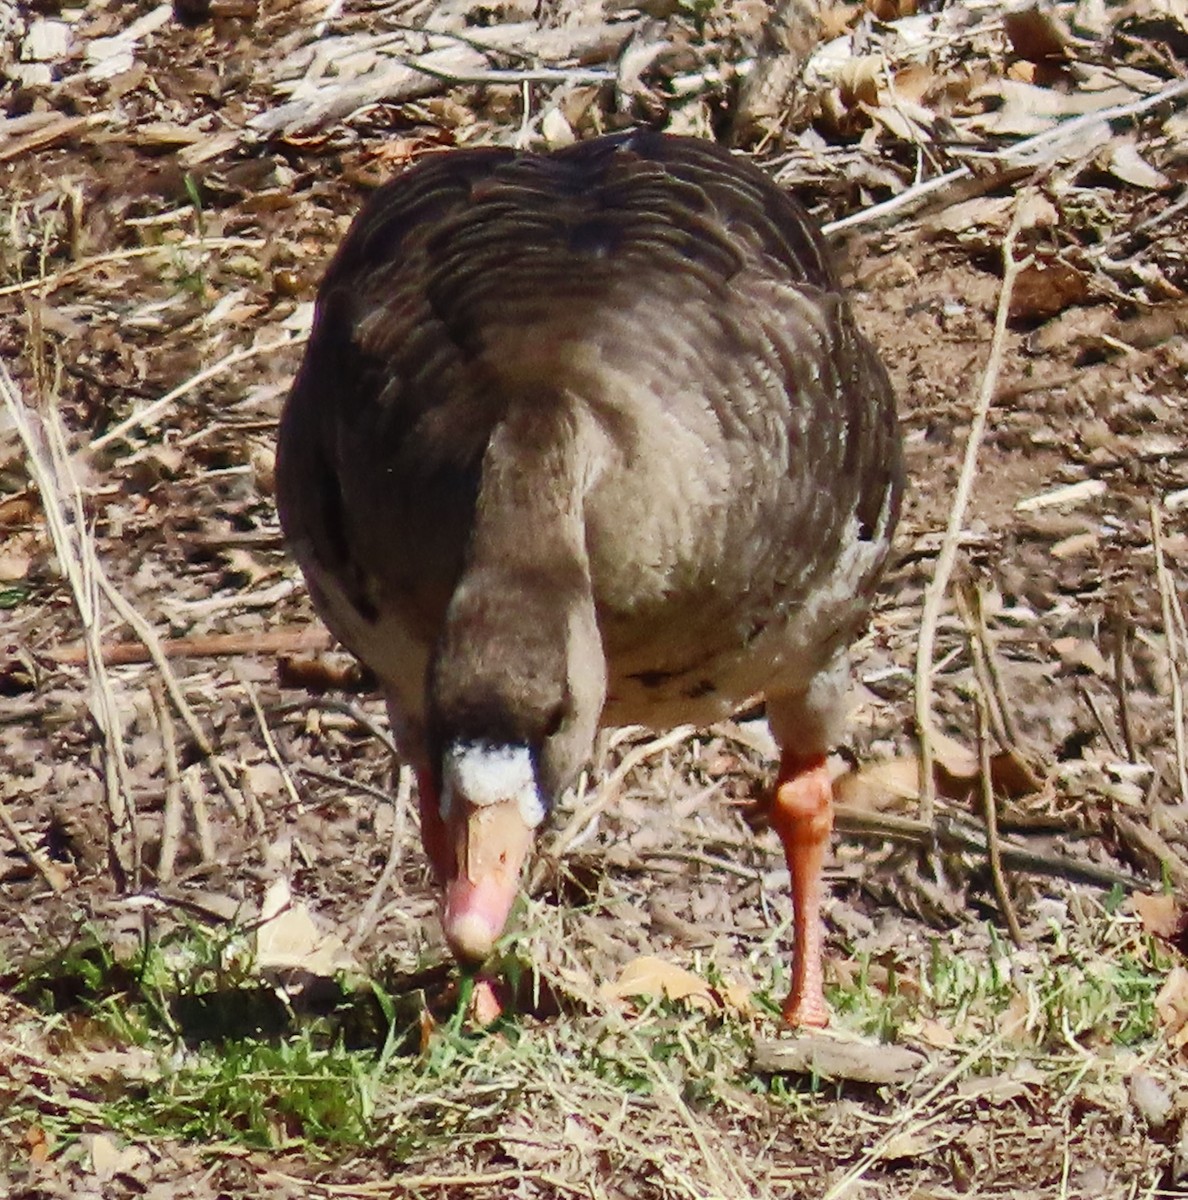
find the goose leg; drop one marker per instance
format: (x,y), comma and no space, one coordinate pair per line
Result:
(434,835)
(802,814)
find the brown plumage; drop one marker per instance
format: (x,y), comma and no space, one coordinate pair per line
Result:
(590,438)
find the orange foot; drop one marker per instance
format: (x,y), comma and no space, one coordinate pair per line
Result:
(802,814)
(485,1006)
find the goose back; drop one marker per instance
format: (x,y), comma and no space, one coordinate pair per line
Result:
(641,336)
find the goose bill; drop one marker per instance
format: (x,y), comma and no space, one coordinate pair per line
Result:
(491,843)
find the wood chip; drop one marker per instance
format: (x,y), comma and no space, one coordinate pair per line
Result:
(1072,493)
(825,1056)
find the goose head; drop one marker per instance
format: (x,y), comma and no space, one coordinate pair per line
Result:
(515,694)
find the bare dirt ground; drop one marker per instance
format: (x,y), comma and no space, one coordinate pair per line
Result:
(173,185)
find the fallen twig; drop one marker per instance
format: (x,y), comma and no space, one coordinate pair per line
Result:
(952,832)
(1014,162)
(938,586)
(990,816)
(1166,602)
(42,865)
(49,283)
(400,804)
(172,814)
(344,781)
(294,640)
(151,412)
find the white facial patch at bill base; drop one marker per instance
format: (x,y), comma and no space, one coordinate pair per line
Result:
(483,774)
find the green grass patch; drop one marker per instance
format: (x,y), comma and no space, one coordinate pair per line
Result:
(197,1048)
(1089,987)
(262,1095)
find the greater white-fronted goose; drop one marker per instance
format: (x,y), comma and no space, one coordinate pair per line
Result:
(590,438)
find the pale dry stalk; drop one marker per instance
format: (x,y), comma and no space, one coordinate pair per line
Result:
(173,814)
(1036,151)
(1168,602)
(257,813)
(1118,618)
(990,817)
(154,411)
(145,632)
(44,284)
(938,587)
(42,865)
(61,496)
(400,805)
(607,794)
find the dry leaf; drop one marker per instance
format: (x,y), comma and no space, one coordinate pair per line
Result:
(935,1033)
(1159,914)
(651,977)
(485,1008)
(992,215)
(16,556)
(1015,1021)
(1036,34)
(910,1144)
(996,1089)
(107,1159)
(1042,290)
(1151,1099)
(891,10)
(954,757)
(1124,162)
(16,511)
(1014,776)
(837,19)
(1080,654)
(1172,1005)
(556,130)
(264,781)
(886,785)
(906,121)
(913,82)
(289,939)
(38,1143)
(881,785)
(858,80)
(262,459)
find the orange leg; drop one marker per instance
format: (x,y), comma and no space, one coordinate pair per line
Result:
(802,814)
(434,837)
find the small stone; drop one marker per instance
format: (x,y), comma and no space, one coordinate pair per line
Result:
(1151,1099)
